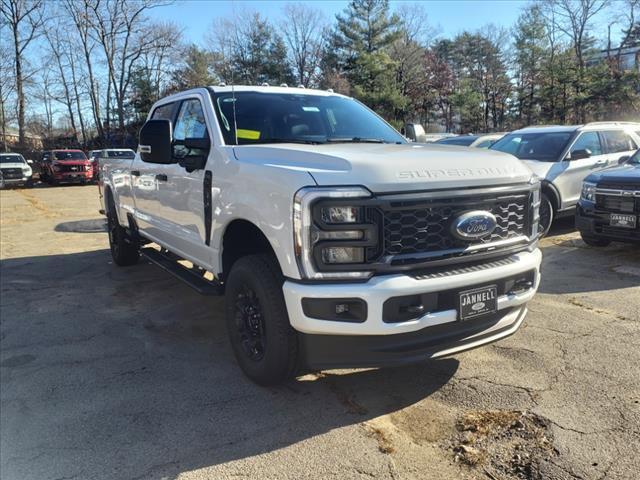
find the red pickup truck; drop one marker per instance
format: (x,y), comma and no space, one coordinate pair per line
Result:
(66,166)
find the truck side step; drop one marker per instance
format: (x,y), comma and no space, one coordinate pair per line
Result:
(187,275)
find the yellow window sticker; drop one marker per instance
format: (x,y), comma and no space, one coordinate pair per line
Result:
(248,134)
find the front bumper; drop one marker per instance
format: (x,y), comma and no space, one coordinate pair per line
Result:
(374,342)
(14,181)
(73,177)
(593,222)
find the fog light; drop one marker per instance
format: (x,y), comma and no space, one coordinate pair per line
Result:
(342,255)
(338,235)
(340,214)
(353,310)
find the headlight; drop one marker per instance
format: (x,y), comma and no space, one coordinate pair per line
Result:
(26,171)
(535,203)
(87,167)
(331,233)
(588,191)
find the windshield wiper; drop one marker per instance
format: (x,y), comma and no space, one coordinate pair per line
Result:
(355,140)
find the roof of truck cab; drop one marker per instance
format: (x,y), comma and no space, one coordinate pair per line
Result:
(261,89)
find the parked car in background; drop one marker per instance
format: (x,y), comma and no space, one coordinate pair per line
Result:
(415,133)
(335,241)
(477,141)
(66,166)
(93,158)
(609,206)
(14,170)
(562,156)
(111,153)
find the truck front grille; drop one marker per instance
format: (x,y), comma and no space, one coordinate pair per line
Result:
(11,173)
(616,203)
(419,230)
(71,168)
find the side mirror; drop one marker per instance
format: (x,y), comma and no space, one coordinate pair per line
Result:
(580,154)
(155,142)
(623,159)
(192,153)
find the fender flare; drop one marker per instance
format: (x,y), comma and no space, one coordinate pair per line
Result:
(551,190)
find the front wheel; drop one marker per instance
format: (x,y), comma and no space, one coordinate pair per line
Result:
(547,215)
(124,251)
(262,339)
(595,241)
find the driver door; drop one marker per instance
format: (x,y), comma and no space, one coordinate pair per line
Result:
(580,165)
(179,193)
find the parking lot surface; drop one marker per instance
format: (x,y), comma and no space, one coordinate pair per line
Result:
(125,373)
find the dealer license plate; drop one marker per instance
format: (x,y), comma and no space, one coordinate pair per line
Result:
(477,302)
(623,221)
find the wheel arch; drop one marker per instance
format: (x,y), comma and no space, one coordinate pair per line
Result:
(241,237)
(552,192)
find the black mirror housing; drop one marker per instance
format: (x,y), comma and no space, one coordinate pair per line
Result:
(580,154)
(623,159)
(155,142)
(197,143)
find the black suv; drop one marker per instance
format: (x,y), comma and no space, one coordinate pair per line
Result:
(609,206)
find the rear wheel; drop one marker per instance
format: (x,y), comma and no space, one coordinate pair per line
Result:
(263,341)
(124,250)
(595,241)
(547,214)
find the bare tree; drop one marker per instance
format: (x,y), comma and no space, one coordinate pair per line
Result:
(7,88)
(80,11)
(304,32)
(119,28)
(25,18)
(573,18)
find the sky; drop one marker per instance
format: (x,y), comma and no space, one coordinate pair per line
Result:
(452,16)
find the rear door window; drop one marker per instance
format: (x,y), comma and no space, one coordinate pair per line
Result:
(618,141)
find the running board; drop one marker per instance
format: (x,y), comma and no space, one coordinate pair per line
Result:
(188,276)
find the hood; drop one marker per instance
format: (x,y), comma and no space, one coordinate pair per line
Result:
(391,167)
(71,162)
(624,174)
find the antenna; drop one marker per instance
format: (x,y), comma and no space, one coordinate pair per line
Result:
(233,96)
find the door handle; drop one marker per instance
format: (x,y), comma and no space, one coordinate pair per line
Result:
(600,163)
(161,177)
(135,173)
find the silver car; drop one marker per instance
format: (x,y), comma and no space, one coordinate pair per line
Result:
(562,156)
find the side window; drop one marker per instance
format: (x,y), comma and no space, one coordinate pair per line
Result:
(618,141)
(588,141)
(189,124)
(163,112)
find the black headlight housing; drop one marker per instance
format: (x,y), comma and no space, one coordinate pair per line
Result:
(336,235)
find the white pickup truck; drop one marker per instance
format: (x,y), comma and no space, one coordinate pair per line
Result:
(335,241)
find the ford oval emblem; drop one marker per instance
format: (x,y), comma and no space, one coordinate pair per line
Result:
(474,225)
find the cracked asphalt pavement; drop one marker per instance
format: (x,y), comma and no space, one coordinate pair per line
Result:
(124,373)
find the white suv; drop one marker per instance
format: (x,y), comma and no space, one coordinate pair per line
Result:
(562,156)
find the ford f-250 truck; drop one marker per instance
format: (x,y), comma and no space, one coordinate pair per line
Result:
(335,241)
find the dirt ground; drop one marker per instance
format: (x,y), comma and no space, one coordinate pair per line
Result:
(124,373)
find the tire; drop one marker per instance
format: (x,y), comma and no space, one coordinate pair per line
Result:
(547,214)
(595,241)
(264,344)
(51,181)
(124,251)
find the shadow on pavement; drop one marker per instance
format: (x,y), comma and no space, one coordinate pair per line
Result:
(125,373)
(96,225)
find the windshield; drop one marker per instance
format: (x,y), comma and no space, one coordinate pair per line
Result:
(121,154)
(291,118)
(635,159)
(70,156)
(11,159)
(464,141)
(545,147)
